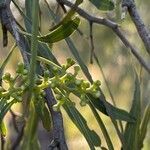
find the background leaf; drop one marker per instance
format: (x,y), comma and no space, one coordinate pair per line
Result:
(144,125)
(131,133)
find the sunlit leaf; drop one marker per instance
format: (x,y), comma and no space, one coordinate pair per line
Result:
(61,32)
(103,4)
(131,133)
(3,129)
(70,14)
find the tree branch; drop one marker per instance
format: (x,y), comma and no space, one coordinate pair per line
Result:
(9,22)
(140,26)
(58,140)
(112,25)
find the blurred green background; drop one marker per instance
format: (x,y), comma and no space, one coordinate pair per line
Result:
(116,60)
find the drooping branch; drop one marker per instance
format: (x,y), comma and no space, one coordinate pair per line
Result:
(140,26)
(112,25)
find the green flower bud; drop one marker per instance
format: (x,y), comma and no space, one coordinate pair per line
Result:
(58,96)
(78,82)
(23,87)
(7,78)
(20,65)
(86,84)
(70,62)
(76,70)
(25,72)
(46,74)
(97,94)
(83,103)
(56,107)
(55,68)
(98,83)
(20,68)
(43,93)
(52,85)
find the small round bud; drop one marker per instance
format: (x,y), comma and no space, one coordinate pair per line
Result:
(83,103)
(20,68)
(70,61)
(78,82)
(7,77)
(56,107)
(55,68)
(58,96)
(86,84)
(98,83)
(52,85)
(20,65)
(25,72)
(46,74)
(76,69)
(97,94)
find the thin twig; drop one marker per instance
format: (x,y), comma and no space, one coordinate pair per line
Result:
(92,42)
(61,5)
(112,25)
(5,36)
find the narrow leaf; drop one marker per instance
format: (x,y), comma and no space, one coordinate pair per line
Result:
(28,7)
(131,133)
(68,17)
(100,103)
(3,129)
(5,109)
(144,125)
(61,32)
(91,137)
(103,4)
(43,114)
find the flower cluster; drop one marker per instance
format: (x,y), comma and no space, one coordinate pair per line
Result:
(62,82)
